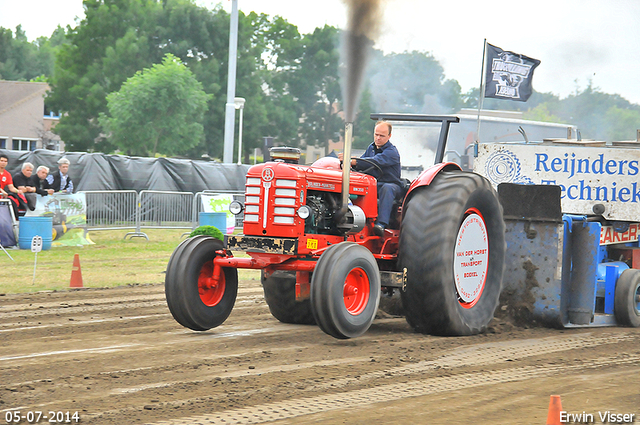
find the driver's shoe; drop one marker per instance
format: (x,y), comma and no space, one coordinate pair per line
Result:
(378,229)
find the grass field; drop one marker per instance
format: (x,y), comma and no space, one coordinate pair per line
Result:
(110,261)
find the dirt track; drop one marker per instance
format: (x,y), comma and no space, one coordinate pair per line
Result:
(117,356)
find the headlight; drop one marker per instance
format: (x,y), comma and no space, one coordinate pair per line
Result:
(235,207)
(304,212)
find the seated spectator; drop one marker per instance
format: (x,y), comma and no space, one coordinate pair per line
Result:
(39,181)
(8,190)
(59,180)
(22,181)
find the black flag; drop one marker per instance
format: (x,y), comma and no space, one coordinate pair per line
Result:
(508,75)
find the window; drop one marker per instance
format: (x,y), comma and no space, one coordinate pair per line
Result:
(24,145)
(3,143)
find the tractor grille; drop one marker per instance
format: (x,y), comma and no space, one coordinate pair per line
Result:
(252,200)
(263,200)
(284,201)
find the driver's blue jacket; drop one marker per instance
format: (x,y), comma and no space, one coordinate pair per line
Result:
(387,158)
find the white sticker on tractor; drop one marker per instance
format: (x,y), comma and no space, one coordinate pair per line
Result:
(471,259)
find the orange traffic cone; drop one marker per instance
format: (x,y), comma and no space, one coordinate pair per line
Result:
(555,406)
(76,273)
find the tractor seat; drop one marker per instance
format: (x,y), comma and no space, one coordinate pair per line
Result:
(405,188)
(397,204)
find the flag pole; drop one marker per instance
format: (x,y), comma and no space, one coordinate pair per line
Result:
(480,96)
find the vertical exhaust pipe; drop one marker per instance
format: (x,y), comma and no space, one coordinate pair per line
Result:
(346,167)
(363,22)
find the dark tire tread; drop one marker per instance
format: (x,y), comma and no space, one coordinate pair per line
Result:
(181,285)
(624,298)
(280,294)
(327,290)
(432,217)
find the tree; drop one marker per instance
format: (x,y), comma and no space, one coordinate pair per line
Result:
(46,48)
(622,123)
(119,37)
(290,81)
(279,45)
(159,109)
(21,60)
(116,39)
(363,125)
(15,54)
(589,109)
(540,113)
(597,115)
(315,85)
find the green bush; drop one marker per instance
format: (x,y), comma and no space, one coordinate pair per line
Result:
(208,231)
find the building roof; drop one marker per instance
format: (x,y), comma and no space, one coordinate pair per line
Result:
(15,93)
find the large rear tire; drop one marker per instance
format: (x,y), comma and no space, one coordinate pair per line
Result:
(193,299)
(627,298)
(280,295)
(345,290)
(452,245)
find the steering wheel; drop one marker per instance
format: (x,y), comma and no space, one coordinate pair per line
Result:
(372,166)
(369,169)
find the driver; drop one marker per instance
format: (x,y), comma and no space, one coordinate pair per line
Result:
(385,155)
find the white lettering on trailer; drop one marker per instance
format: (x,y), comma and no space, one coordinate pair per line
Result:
(587,175)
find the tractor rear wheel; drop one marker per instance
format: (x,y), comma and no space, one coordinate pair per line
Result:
(280,295)
(345,290)
(627,298)
(452,245)
(195,301)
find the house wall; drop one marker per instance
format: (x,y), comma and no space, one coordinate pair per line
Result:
(22,120)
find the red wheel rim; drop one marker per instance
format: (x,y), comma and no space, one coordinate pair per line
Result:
(211,292)
(471,258)
(356,291)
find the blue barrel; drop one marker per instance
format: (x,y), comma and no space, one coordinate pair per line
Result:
(215,219)
(35,226)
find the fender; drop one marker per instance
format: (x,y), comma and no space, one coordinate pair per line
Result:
(426,177)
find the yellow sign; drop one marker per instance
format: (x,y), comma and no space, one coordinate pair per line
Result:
(312,244)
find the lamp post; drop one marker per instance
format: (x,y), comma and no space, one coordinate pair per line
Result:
(229,116)
(239,103)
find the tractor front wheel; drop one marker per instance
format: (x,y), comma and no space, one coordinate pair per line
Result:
(452,245)
(195,300)
(345,290)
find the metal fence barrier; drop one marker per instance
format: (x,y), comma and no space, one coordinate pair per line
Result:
(127,209)
(162,210)
(111,209)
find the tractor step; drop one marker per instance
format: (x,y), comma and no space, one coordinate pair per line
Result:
(393,279)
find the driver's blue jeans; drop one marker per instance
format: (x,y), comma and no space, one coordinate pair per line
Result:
(387,194)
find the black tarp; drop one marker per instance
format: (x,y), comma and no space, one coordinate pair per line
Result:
(98,171)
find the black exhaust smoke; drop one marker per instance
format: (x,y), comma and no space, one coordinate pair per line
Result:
(363,21)
(363,24)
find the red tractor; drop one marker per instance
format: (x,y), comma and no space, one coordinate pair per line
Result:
(310,230)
